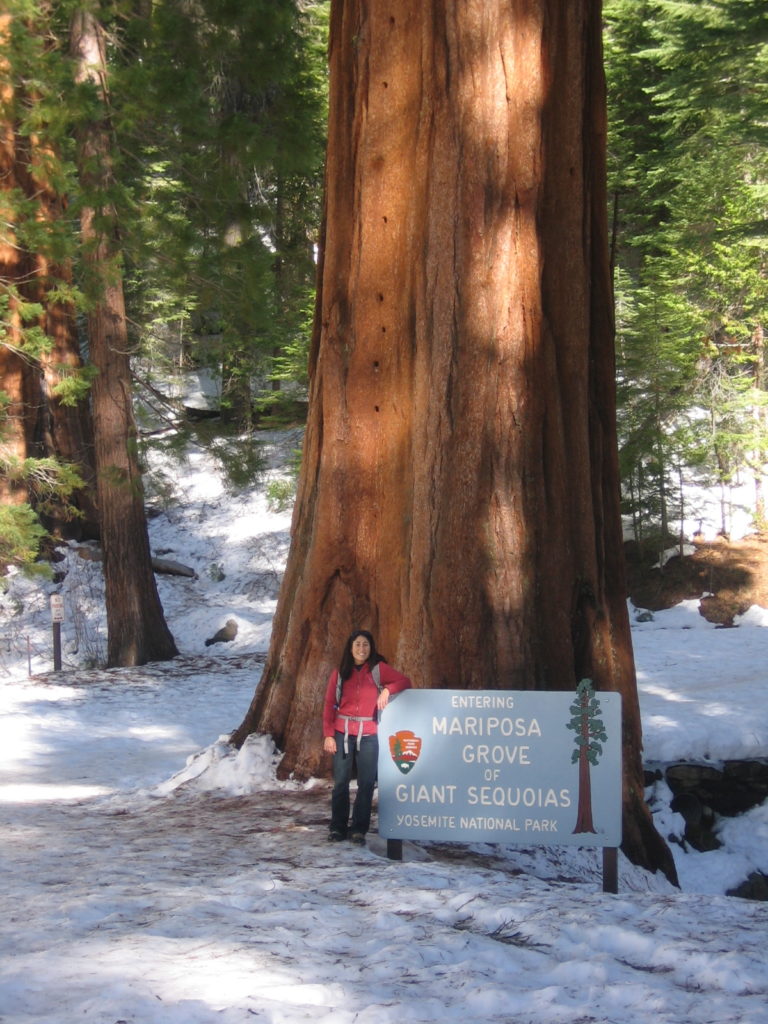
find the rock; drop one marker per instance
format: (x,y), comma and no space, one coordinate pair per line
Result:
(691,808)
(90,554)
(699,822)
(746,783)
(171,568)
(729,790)
(703,793)
(161,565)
(705,780)
(755,887)
(225,635)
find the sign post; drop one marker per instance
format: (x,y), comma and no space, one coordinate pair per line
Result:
(57,617)
(513,767)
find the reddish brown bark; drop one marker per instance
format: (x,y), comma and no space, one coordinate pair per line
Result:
(14,376)
(137,631)
(39,425)
(459,488)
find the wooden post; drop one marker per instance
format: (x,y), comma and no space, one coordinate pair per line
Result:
(610,869)
(57,616)
(57,647)
(395,849)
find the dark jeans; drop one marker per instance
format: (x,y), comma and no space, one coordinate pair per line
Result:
(367,760)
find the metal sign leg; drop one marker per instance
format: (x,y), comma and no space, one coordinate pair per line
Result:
(610,869)
(395,849)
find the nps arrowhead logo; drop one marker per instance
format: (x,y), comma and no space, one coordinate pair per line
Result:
(405,749)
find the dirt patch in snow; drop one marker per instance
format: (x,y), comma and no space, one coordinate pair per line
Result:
(729,577)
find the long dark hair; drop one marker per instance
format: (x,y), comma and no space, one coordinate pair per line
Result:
(347,663)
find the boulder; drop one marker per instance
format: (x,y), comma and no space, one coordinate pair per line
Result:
(171,568)
(161,565)
(704,792)
(755,887)
(225,635)
(728,789)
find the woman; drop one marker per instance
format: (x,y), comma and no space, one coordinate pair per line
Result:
(356,692)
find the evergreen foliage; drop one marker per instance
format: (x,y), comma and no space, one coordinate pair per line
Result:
(216,114)
(688,85)
(37,167)
(21,534)
(586,723)
(225,167)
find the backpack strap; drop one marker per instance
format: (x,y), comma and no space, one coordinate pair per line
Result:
(375,673)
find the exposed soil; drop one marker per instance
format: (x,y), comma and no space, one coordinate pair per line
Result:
(732,574)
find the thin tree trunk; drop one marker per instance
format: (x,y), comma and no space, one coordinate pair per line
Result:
(459,492)
(137,631)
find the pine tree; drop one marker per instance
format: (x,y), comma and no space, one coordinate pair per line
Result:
(46,454)
(228,180)
(137,631)
(690,248)
(215,161)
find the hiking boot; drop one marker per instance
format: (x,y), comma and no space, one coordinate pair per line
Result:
(357,838)
(335,836)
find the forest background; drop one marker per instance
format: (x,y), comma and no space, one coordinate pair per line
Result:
(178,165)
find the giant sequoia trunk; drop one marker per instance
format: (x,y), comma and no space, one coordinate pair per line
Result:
(459,493)
(136,627)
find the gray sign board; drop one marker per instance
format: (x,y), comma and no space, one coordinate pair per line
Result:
(525,767)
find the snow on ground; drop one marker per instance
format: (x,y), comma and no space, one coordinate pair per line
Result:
(152,874)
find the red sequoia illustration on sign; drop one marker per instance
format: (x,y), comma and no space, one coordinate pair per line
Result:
(405,749)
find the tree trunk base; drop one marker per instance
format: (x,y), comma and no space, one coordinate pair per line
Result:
(643,845)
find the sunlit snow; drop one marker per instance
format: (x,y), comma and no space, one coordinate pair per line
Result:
(153,875)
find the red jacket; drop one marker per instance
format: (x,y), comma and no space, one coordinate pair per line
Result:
(358,698)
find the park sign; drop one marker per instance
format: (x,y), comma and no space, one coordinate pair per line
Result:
(514,767)
(57,608)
